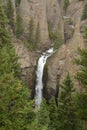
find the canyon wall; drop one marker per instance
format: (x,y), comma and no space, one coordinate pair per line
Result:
(61,62)
(44,12)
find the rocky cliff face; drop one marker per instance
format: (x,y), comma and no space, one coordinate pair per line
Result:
(62,61)
(43,11)
(53,13)
(36,10)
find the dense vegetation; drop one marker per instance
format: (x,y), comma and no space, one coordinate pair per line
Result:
(17,111)
(14,95)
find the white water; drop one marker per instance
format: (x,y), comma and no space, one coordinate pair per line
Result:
(39,75)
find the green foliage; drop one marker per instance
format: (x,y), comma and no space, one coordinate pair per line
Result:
(19,26)
(67,118)
(82,105)
(64,116)
(58,40)
(43,115)
(84,15)
(14,95)
(34,35)
(10,14)
(8,61)
(82,77)
(15,106)
(51,34)
(3,18)
(14,103)
(53,114)
(41,120)
(4,36)
(55,37)
(82,62)
(31,31)
(85,33)
(82,108)
(31,41)
(66,4)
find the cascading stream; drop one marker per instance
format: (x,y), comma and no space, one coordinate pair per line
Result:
(39,75)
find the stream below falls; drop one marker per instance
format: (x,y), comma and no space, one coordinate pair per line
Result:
(39,76)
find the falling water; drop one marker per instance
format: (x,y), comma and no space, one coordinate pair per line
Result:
(39,75)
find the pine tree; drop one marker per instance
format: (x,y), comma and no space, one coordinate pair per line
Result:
(82,108)
(37,35)
(82,77)
(53,113)
(10,14)
(82,62)
(19,26)
(41,120)
(57,38)
(43,115)
(67,118)
(4,35)
(15,107)
(31,31)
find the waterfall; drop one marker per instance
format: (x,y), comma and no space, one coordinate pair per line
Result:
(39,75)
